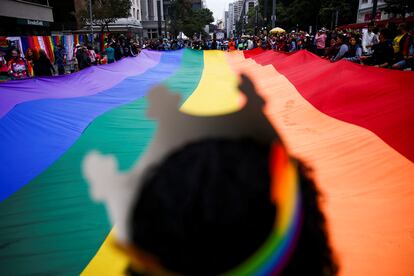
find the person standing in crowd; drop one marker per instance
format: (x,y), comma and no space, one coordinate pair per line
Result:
(402,44)
(119,53)
(17,66)
(332,50)
(42,65)
(342,48)
(30,58)
(75,64)
(91,54)
(232,45)
(60,59)
(354,50)
(110,53)
(214,44)
(292,44)
(383,52)
(369,38)
(83,59)
(250,44)
(320,41)
(4,71)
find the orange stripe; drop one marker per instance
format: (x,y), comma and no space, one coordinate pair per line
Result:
(367,185)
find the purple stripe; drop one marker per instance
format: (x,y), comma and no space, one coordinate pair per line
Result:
(88,82)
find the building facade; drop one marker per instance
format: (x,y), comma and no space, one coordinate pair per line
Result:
(238,8)
(152,18)
(131,24)
(250,4)
(365,11)
(198,4)
(226,23)
(30,17)
(235,12)
(231,24)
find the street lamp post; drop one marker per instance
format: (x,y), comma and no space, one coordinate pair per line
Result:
(159,18)
(257,20)
(374,10)
(274,14)
(91,20)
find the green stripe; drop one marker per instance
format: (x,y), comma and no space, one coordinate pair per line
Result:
(50,226)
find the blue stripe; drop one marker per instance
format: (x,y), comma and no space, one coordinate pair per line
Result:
(35,134)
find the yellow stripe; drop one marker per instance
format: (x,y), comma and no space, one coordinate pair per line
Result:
(107,261)
(216,93)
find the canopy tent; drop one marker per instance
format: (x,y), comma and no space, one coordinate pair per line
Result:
(182,36)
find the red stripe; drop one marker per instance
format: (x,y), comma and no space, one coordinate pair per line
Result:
(380,100)
(251,53)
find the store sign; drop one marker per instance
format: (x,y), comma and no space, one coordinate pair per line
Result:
(32,22)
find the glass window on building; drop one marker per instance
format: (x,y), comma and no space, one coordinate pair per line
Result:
(152,33)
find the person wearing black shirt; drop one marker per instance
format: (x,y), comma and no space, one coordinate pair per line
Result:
(383,52)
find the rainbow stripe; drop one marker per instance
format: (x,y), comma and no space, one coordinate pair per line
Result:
(352,124)
(272,257)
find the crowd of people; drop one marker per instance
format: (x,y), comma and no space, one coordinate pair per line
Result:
(35,62)
(387,48)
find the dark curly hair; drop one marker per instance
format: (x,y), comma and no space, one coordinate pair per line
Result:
(207,208)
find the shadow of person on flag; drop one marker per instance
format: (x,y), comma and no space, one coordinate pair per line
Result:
(214,195)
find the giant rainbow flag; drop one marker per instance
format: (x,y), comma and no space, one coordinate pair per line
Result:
(354,125)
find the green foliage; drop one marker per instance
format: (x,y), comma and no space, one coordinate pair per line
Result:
(184,19)
(347,11)
(399,7)
(304,13)
(105,11)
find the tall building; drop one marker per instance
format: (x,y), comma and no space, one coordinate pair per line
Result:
(227,23)
(250,4)
(198,4)
(29,17)
(151,11)
(238,8)
(231,22)
(234,13)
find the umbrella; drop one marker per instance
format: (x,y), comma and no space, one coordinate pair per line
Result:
(277,30)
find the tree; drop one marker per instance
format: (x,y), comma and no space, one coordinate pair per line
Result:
(184,19)
(305,13)
(399,7)
(105,12)
(347,12)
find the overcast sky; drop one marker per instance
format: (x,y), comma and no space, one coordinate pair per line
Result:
(218,7)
